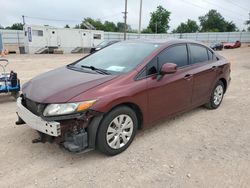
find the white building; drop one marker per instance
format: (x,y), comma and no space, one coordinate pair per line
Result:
(67,39)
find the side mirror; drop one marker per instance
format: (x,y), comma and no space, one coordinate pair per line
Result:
(168,68)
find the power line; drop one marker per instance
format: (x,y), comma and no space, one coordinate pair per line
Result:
(192,4)
(222,8)
(65,20)
(232,2)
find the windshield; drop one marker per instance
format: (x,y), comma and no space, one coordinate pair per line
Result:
(118,58)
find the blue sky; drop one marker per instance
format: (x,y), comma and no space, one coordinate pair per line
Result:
(75,10)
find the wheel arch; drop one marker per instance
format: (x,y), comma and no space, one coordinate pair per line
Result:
(223,80)
(93,127)
(135,108)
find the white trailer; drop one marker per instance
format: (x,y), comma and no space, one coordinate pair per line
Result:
(67,39)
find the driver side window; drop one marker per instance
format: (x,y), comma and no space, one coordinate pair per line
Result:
(176,54)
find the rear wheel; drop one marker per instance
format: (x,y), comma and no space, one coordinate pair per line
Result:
(216,96)
(117,130)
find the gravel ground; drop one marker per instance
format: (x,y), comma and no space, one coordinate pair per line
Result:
(201,148)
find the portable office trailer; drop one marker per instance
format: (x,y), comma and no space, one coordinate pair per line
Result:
(67,39)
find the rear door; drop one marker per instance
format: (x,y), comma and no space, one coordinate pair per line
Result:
(204,71)
(173,92)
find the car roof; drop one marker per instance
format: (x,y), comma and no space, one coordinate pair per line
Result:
(162,41)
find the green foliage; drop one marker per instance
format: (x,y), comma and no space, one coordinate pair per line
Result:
(159,22)
(96,23)
(106,26)
(213,21)
(77,26)
(66,26)
(248,23)
(147,30)
(15,26)
(109,26)
(120,27)
(188,27)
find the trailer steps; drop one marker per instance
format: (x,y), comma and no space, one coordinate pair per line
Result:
(46,50)
(43,50)
(77,50)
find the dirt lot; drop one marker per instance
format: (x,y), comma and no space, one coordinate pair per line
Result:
(201,148)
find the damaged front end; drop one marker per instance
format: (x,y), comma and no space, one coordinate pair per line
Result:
(75,132)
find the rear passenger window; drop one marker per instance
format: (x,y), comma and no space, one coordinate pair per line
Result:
(176,54)
(199,54)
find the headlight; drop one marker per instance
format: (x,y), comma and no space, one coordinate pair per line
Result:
(67,108)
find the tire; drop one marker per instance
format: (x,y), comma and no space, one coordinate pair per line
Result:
(216,96)
(117,130)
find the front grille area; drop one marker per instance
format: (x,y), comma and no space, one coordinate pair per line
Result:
(34,107)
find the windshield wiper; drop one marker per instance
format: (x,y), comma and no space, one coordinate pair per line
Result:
(95,69)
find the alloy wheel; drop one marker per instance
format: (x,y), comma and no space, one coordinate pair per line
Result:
(218,94)
(119,131)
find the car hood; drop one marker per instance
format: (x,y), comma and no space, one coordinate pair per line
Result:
(61,85)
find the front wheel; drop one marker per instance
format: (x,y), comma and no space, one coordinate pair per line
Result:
(217,96)
(117,130)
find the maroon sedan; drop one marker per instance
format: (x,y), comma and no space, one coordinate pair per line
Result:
(102,99)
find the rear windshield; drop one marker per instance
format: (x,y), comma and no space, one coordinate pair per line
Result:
(120,57)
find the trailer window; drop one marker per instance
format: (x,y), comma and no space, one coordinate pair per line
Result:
(97,36)
(37,33)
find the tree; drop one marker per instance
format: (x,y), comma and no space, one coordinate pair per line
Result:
(230,26)
(147,30)
(248,24)
(96,23)
(120,27)
(188,27)
(77,26)
(15,26)
(110,26)
(159,21)
(66,26)
(213,21)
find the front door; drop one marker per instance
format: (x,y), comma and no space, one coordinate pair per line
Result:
(173,92)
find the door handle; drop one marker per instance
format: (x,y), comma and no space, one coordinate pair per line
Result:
(214,68)
(188,76)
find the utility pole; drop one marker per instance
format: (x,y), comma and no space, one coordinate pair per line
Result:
(23,19)
(139,31)
(125,19)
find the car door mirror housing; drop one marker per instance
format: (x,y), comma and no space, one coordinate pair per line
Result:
(168,68)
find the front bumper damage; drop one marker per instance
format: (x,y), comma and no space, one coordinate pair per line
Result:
(76,134)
